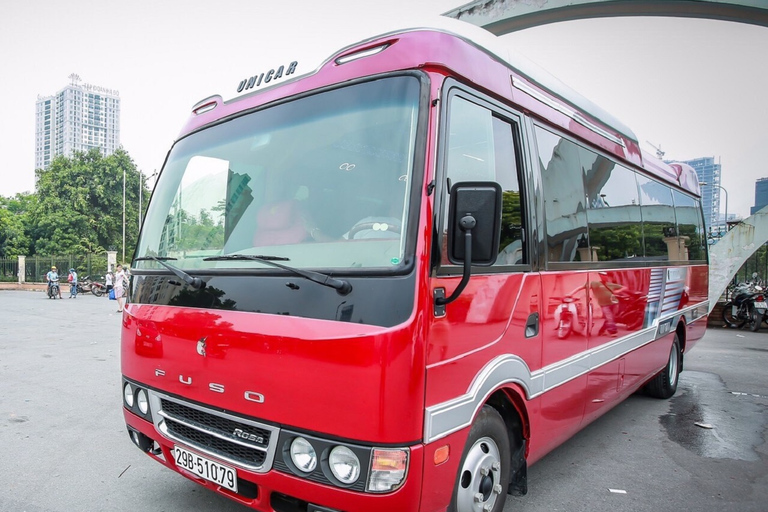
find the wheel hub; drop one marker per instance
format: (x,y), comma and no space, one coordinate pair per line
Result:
(479,484)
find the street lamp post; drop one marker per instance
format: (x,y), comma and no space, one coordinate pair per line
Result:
(726,201)
(123,260)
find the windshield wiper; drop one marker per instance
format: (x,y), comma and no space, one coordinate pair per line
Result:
(194,282)
(340,285)
(255,257)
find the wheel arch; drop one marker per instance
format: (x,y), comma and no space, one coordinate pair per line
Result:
(511,406)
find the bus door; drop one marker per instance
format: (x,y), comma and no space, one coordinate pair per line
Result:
(486,324)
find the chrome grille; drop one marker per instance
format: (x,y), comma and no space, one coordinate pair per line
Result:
(214,432)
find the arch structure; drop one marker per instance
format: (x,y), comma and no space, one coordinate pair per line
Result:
(504,16)
(730,252)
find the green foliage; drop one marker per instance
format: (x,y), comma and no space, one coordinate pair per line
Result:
(77,207)
(15,215)
(617,242)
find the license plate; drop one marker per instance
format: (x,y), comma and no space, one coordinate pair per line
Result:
(761,305)
(220,474)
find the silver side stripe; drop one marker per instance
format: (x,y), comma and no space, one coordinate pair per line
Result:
(443,419)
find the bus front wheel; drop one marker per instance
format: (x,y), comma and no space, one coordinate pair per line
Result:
(481,484)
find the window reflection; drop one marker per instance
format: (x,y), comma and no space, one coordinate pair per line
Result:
(564,197)
(658,217)
(690,225)
(615,224)
(481,147)
(333,170)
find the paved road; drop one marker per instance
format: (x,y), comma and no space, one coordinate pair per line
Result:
(65,448)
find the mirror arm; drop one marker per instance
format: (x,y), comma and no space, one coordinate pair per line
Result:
(466,224)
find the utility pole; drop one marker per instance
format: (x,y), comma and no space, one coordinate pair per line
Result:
(123,260)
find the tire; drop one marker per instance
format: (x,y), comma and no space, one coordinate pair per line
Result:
(755,319)
(729,319)
(483,474)
(97,291)
(564,329)
(664,384)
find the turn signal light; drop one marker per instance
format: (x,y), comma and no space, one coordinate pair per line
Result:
(441,454)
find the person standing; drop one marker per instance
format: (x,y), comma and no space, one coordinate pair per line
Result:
(119,287)
(53,277)
(72,278)
(109,279)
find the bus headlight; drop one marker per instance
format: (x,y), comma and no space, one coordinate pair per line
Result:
(142,402)
(344,465)
(303,455)
(128,395)
(388,470)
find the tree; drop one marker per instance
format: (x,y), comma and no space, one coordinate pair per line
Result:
(80,204)
(15,217)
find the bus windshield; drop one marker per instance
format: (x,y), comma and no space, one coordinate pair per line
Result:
(318,182)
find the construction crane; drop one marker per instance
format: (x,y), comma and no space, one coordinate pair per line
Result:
(659,152)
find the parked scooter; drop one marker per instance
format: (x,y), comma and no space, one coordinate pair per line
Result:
(747,307)
(98,289)
(568,318)
(84,285)
(631,309)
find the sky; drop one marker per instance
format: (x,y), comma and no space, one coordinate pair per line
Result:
(693,88)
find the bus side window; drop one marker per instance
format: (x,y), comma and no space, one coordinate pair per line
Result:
(689,225)
(482,147)
(564,198)
(615,224)
(659,224)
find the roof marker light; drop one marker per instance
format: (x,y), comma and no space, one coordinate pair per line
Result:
(206,105)
(361,54)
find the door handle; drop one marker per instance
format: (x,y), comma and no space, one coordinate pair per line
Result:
(532,325)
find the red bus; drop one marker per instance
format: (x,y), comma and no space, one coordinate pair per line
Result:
(394,282)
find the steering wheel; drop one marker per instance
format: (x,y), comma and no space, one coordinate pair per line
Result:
(384,227)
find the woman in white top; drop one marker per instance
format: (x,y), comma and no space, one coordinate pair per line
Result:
(108,281)
(120,279)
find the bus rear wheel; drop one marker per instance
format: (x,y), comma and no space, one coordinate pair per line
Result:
(481,484)
(664,384)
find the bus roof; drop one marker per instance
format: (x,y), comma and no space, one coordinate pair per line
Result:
(577,106)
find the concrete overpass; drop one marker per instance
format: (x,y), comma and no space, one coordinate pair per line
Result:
(504,16)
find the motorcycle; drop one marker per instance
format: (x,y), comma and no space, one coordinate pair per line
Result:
(84,285)
(747,307)
(631,309)
(87,284)
(567,317)
(98,289)
(53,289)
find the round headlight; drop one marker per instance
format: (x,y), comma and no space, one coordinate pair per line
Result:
(303,455)
(128,395)
(344,464)
(141,401)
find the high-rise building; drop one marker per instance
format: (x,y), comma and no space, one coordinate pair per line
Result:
(77,118)
(761,195)
(709,172)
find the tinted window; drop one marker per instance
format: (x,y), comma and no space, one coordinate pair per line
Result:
(690,225)
(481,147)
(658,214)
(615,224)
(564,198)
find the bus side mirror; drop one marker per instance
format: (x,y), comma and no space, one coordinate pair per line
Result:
(474,229)
(482,202)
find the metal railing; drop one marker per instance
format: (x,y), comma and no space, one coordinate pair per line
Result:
(36,267)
